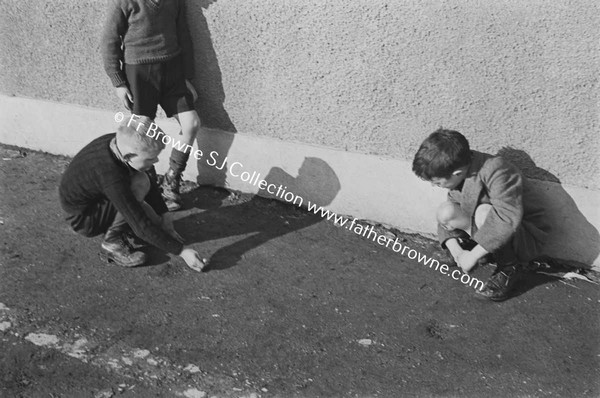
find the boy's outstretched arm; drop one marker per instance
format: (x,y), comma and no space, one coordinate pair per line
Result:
(120,195)
(155,200)
(188,254)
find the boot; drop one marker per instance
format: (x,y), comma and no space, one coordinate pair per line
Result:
(134,241)
(502,283)
(170,190)
(117,249)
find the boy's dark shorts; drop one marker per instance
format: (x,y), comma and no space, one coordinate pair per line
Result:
(160,83)
(95,220)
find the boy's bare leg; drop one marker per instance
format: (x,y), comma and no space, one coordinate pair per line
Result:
(190,123)
(450,216)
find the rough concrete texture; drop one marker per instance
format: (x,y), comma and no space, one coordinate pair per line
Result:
(373,77)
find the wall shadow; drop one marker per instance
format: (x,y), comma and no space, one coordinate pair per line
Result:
(264,219)
(526,164)
(573,240)
(208,82)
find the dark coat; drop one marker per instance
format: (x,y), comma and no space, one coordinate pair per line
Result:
(516,222)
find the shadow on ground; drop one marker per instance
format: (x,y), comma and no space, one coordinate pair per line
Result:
(297,307)
(570,228)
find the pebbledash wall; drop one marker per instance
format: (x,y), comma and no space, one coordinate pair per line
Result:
(332,98)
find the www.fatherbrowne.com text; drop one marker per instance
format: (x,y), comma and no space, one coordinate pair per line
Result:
(237,170)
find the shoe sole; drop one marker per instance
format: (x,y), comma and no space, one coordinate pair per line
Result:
(480,296)
(496,299)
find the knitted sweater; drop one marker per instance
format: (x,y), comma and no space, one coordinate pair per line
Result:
(95,174)
(142,32)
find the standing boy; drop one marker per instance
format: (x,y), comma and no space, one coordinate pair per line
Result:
(110,188)
(489,198)
(147,54)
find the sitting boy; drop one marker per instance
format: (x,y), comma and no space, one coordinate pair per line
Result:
(109,187)
(489,198)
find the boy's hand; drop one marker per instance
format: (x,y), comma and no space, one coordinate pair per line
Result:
(454,248)
(167,225)
(125,96)
(466,260)
(457,254)
(190,87)
(192,259)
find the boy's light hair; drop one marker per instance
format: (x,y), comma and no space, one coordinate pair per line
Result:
(134,132)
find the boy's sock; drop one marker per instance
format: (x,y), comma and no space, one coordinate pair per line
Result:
(172,180)
(178,160)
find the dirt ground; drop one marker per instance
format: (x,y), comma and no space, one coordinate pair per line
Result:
(292,306)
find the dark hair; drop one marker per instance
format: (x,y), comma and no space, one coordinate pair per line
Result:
(442,153)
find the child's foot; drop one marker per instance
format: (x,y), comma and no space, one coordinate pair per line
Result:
(501,283)
(170,190)
(134,241)
(118,250)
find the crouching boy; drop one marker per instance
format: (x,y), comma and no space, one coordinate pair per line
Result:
(490,205)
(110,188)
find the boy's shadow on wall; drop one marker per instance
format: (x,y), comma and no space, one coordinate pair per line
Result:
(570,228)
(264,219)
(316,180)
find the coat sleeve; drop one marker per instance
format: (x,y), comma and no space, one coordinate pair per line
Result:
(119,193)
(115,27)
(154,197)
(504,185)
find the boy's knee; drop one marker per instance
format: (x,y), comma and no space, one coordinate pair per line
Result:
(190,124)
(140,186)
(451,216)
(481,214)
(445,212)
